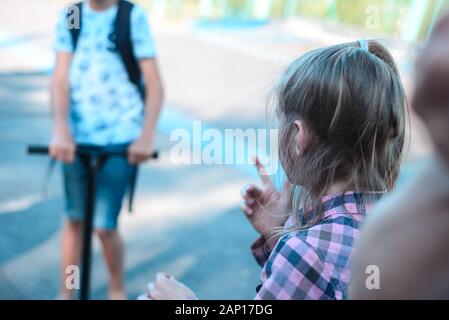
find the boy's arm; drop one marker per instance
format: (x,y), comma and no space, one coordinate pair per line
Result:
(62,146)
(142,148)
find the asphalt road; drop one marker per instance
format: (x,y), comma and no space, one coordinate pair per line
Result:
(186,220)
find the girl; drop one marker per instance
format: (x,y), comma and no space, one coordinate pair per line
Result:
(341,112)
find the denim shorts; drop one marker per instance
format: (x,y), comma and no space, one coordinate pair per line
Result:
(113,180)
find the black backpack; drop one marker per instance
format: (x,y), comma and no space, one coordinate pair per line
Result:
(121,37)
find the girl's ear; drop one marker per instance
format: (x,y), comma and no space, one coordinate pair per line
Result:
(299,137)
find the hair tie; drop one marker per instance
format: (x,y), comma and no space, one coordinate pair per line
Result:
(364,44)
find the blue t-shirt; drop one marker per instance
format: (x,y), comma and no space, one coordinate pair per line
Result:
(105,107)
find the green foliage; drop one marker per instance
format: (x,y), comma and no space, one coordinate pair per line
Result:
(390,14)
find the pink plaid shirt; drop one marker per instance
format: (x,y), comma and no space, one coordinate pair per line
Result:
(314,263)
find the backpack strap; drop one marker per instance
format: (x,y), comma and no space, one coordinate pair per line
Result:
(121,35)
(75,32)
(125,47)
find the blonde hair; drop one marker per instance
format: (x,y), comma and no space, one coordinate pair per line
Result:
(352,104)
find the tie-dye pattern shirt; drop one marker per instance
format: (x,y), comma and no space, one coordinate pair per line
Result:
(105,107)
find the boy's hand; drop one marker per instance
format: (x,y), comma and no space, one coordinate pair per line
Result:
(264,207)
(139,151)
(62,146)
(431,99)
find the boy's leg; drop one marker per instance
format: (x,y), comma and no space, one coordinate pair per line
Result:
(113,250)
(71,248)
(113,181)
(75,189)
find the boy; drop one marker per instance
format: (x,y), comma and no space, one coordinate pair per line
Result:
(96,103)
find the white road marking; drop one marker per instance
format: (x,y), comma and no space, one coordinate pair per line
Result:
(19,204)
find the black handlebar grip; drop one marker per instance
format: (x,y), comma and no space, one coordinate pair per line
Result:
(38,150)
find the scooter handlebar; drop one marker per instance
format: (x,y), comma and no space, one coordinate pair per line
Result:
(45,150)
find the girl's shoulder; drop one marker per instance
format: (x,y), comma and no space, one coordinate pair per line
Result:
(327,229)
(330,239)
(333,234)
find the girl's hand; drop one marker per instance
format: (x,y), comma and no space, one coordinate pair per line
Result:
(168,288)
(264,207)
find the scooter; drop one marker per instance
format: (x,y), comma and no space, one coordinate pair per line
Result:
(95,157)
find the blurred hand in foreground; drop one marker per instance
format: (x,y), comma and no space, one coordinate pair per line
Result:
(166,287)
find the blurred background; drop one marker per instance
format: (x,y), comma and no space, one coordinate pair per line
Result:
(219,60)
